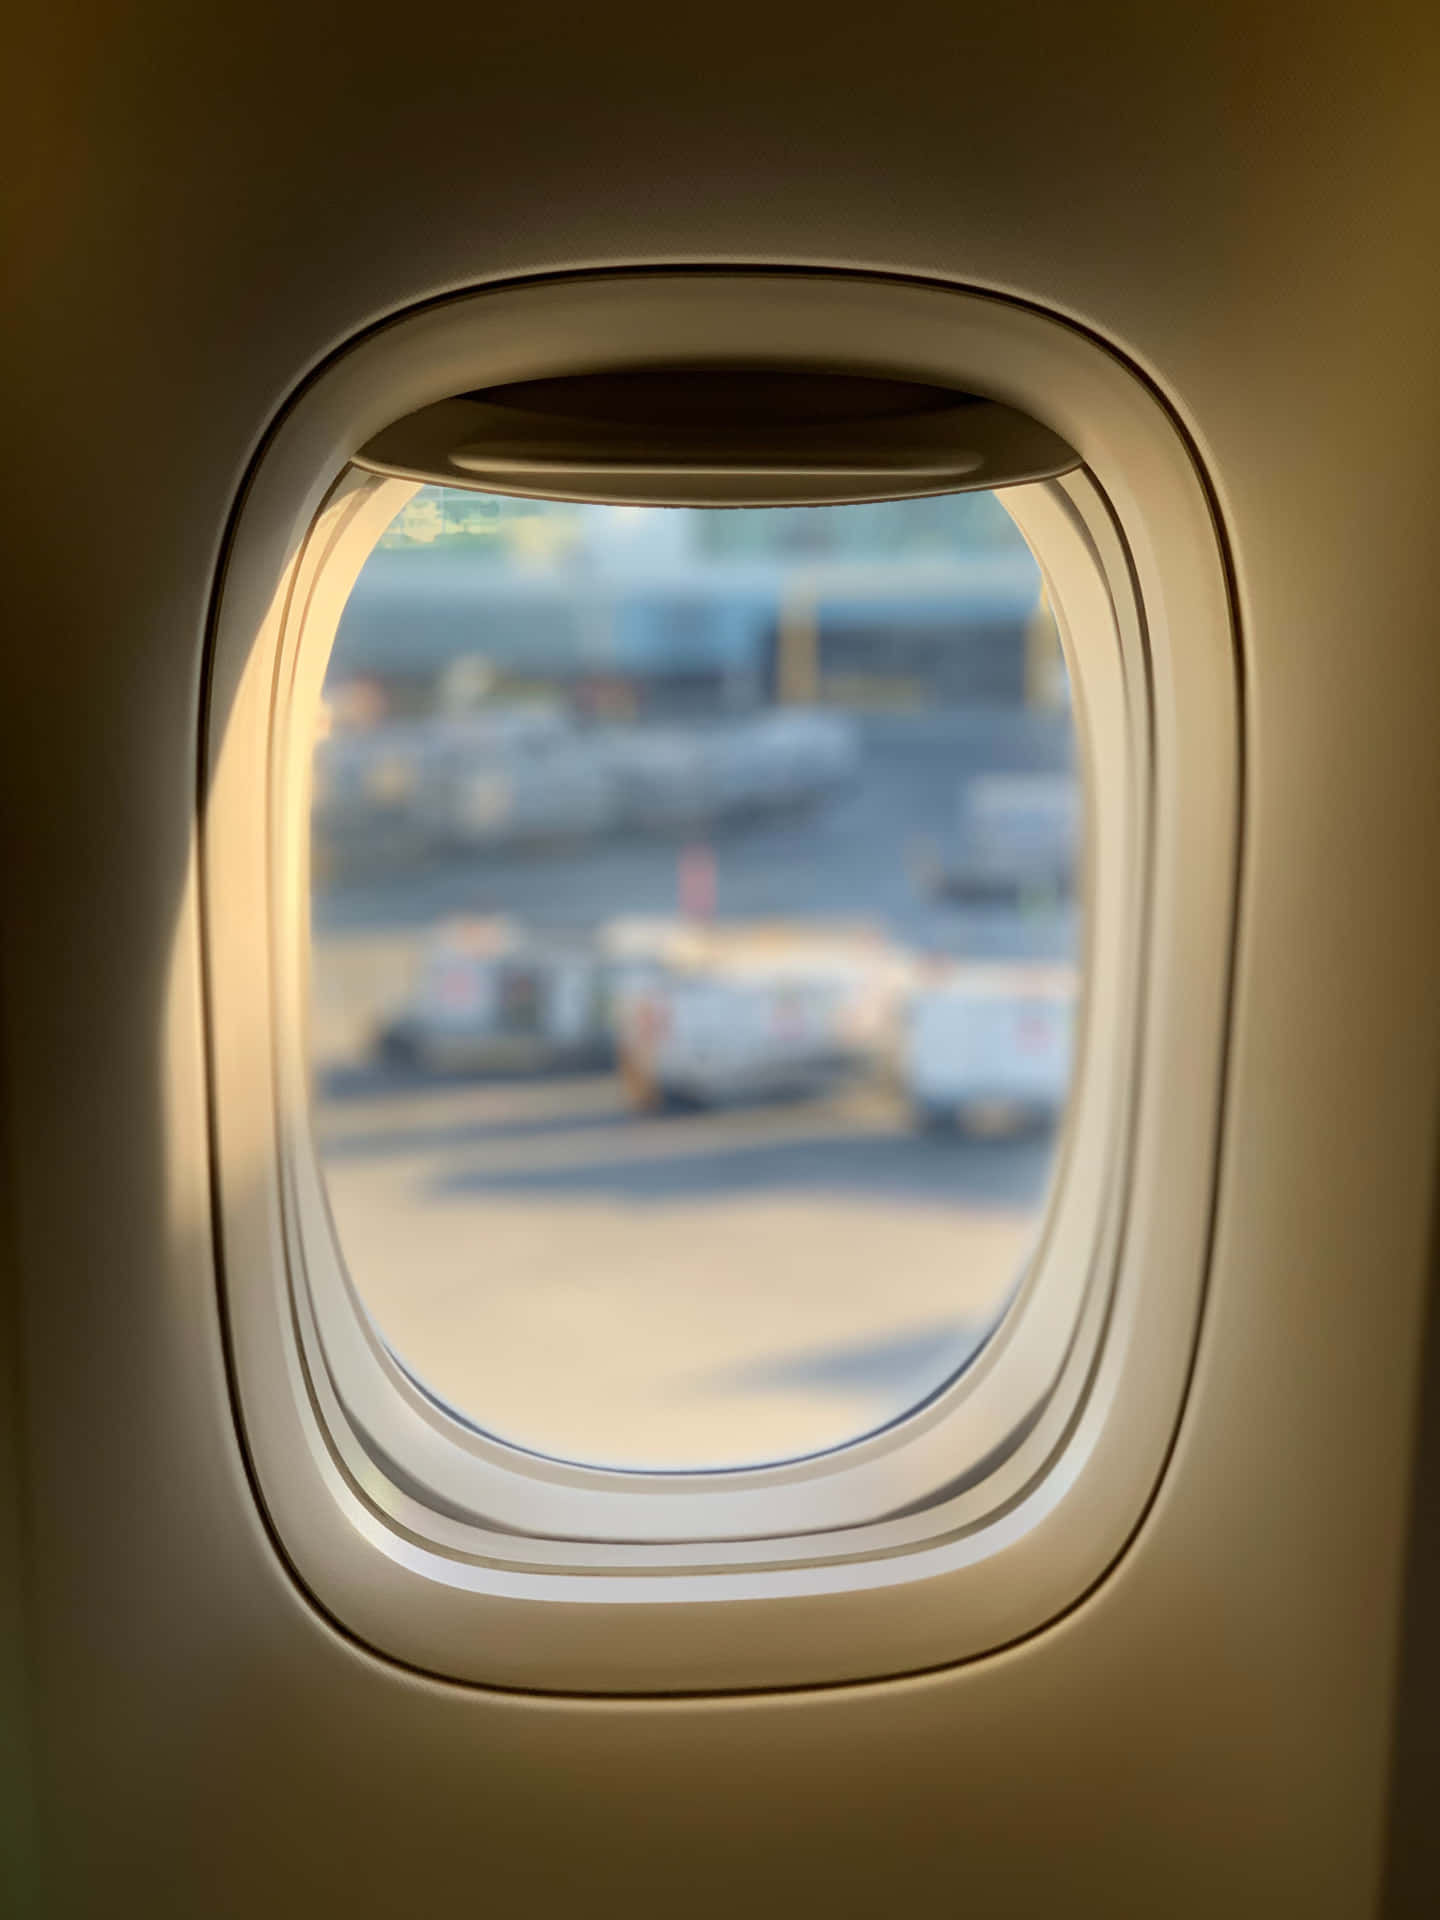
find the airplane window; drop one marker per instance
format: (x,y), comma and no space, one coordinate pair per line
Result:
(694,949)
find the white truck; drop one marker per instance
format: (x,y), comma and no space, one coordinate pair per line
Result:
(490,995)
(988,1048)
(752,1011)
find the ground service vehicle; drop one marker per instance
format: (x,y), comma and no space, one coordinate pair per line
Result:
(989,1045)
(432,1493)
(488,995)
(745,1012)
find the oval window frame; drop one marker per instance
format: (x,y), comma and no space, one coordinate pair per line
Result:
(959,1527)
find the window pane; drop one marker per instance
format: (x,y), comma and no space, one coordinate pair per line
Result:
(693,960)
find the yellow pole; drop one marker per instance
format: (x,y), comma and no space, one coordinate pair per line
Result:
(797,672)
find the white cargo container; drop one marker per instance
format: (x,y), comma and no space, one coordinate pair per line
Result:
(1015,833)
(489,994)
(747,1012)
(989,1048)
(511,777)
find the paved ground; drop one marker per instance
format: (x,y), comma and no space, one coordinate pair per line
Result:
(689,1291)
(696,1290)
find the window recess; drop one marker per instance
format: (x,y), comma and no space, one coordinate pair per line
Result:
(988,1502)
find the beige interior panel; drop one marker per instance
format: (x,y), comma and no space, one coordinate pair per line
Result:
(204,207)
